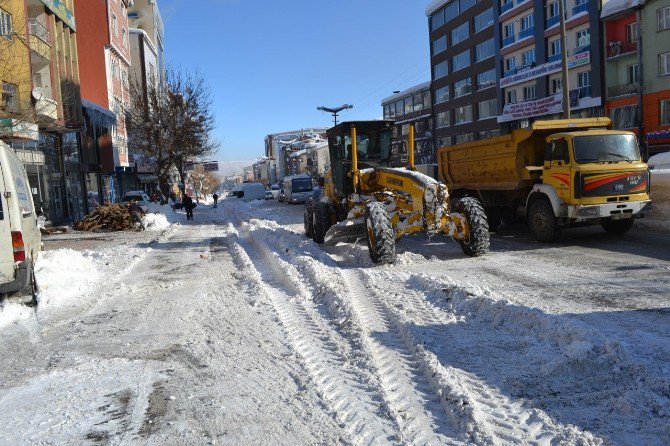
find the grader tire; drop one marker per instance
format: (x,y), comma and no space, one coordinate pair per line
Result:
(320,222)
(479,240)
(380,233)
(308,220)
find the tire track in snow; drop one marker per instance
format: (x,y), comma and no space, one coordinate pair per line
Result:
(355,404)
(492,417)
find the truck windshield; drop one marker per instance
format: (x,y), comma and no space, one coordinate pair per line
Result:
(605,148)
(302,185)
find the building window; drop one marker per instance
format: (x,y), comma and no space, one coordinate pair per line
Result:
(124,37)
(488,109)
(487,79)
(463,87)
(6,29)
(444,15)
(510,63)
(486,134)
(584,79)
(553,10)
(526,23)
(439,45)
(484,20)
(511,97)
(418,102)
(115,25)
(633,73)
(624,117)
(583,38)
(463,115)
(631,32)
(508,30)
(442,95)
(529,93)
(664,64)
(441,69)
(437,20)
(387,112)
(451,11)
(10,97)
(465,137)
(555,47)
(663,16)
(460,33)
(400,107)
(557,85)
(409,105)
(445,141)
(442,120)
(460,61)
(467,4)
(426,98)
(528,58)
(665,111)
(485,50)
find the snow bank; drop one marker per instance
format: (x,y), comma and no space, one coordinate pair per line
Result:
(659,217)
(155,222)
(63,275)
(660,161)
(160,217)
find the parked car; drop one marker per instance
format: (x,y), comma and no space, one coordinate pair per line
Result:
(137,195)
(269,195)
(249,191)
(282,196)
(20,237)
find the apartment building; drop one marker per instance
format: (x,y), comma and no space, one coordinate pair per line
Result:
(146,16)
(463,70)
(413,106)
(637,69)
(40,113)
(104,51)
(531,60)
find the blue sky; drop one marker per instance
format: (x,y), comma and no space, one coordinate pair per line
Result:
(270,63)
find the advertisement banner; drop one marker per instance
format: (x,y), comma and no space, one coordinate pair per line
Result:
(529,109)
(61,11)
(579,59)
(211,166)
(533,73)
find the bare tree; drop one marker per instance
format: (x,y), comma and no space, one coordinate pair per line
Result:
(170,124)
(204,182)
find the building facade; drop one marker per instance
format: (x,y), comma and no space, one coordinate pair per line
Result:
(146,16)
(413,106)
(637,69)
(104,51)
(464,75)
(40,114)
(530,59)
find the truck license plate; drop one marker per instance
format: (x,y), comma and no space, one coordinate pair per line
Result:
(622,216)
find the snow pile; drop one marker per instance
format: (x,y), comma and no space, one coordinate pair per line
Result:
(659,217)
(155,222)
(63,275)
(12,313)
(660,161)
(164,214)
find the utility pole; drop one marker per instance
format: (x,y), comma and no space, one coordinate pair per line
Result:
(640,87)
(335,111)
(564,56)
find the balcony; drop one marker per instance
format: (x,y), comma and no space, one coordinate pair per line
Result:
(508,41)
(506,7)
(528,32)
(509,73)
(617,48)
(585,92)
(554,57)
(583,7)
(38,30)
(551,21)
(623,90)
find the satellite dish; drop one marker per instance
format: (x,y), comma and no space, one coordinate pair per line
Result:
(38,93)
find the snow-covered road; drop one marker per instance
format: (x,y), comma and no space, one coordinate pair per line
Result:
(238,330)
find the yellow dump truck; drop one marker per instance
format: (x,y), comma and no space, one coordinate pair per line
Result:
(555,174)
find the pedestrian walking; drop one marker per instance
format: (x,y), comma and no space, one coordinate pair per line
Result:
(216,199)
(188,205)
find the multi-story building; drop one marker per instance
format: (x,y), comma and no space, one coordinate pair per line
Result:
(637,69)
(40,113)
(104,51)
(280,146)
(530,58)
(144,15)
(464,76)
(413,106)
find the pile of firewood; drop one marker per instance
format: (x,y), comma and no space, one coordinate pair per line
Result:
(115,217)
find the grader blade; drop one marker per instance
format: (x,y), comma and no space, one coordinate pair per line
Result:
(344,233)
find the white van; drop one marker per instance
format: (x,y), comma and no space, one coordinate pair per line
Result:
(20,238)
(249,191)
(298,188)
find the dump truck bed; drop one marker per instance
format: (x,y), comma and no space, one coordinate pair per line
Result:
(507,162)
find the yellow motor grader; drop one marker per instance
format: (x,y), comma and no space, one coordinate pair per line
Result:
(364,197)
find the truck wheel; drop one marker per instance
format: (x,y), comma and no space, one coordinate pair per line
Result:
(543,223)
(381,236)
(320,222)
(308,220)
(494,218)
(618,227)
(479,240)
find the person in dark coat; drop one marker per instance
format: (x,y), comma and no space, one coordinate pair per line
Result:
(216,199)
(188,205)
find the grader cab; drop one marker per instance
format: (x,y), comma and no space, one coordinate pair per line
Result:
(364,197)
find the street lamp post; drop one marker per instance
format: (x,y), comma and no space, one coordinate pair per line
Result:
(335,111)
(564,57)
